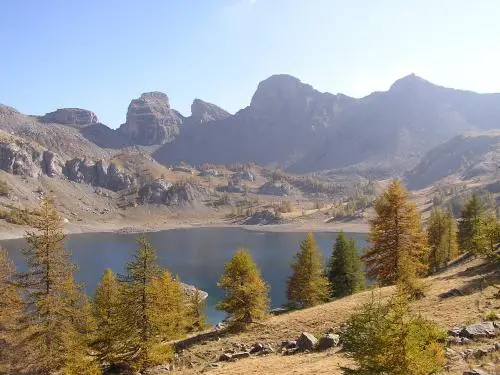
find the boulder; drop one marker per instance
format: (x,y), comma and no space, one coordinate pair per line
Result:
(328,341)
(225,357)
(51,165)
(276,188)
(71,116)
(475,371)
(239,355)
(288,344)
(264,217)
(307,341)
(478,330)
(451,293)
(150,120)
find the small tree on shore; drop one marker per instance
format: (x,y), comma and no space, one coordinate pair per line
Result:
(245,292)
(308,285)
(345,269)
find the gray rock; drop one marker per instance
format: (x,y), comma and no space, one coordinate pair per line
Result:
(51,164)
(71,116)
(455,331)
(276,188)
(328,341)
(150,120)
(475,371)
(288,344)
(483,329)
(239,355)
(225,357)
(264,217)
(451,293)
(20,158)
(97,174)
(203,112)
(307,341)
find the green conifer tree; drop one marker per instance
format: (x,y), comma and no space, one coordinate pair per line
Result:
(245,293)
(308,285)
(442,239)
(471,227)
(345,269)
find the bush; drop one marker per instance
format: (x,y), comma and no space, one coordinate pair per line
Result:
(387,339)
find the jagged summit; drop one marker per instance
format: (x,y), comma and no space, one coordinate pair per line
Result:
(203,112)
(150,120)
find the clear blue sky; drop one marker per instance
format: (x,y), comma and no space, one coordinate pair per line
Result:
(100,54)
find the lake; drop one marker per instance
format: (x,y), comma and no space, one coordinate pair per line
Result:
(196,255)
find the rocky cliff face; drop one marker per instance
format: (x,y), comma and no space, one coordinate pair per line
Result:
(97,174)
(150,120)
(24,159)
(203,112)
(71,116)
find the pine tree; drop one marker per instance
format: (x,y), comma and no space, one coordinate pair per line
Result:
(245,293)
(107,315)
(10,311)
(136,330)
(491,232)
(345,269)
(308,285)
(50,329)
(470,228)
(442,239)
(398,244)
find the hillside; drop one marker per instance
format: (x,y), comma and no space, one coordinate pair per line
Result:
(474,279)
(287,124)
(464,157)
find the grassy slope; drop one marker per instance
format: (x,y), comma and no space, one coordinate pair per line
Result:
(472,277)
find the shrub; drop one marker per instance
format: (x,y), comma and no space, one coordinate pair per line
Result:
(387,339)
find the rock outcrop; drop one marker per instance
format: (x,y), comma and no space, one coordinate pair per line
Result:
(203,112)
(97,174)
(71,116)
(160,191)
(24,159)
(150,120)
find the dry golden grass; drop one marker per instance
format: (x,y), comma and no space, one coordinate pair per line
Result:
(474,278)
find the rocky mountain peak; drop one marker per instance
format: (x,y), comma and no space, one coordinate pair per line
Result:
(71,116)
(150,120)
(278,90)
(203,112)
(409,82)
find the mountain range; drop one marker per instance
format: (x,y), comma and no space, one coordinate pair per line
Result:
(288,124)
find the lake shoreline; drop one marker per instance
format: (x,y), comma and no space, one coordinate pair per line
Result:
(350,227)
